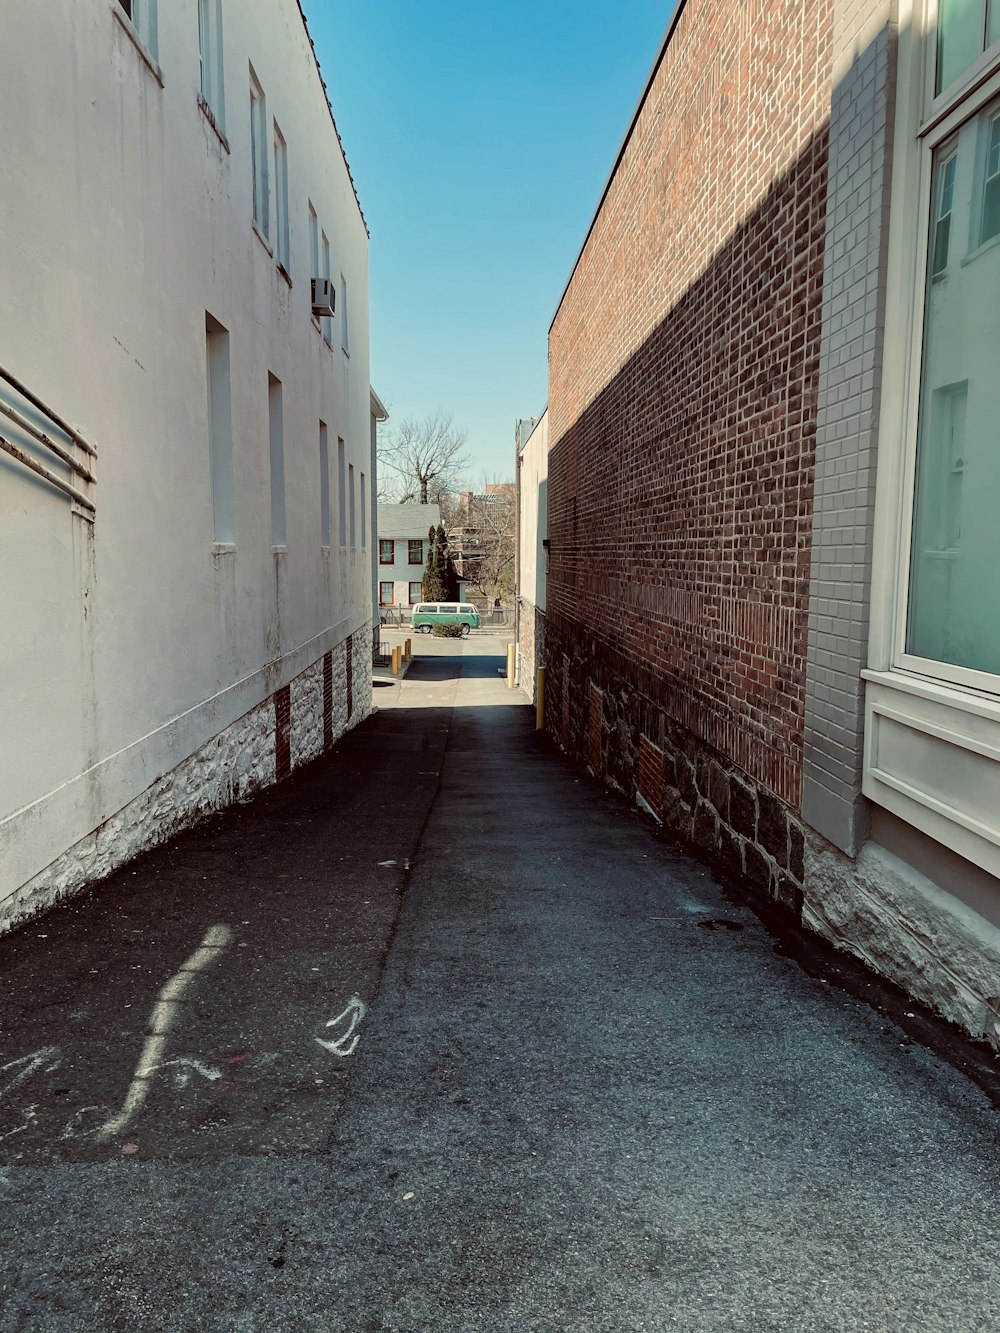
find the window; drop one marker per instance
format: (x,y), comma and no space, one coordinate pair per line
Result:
(364,513)
(414,593)
(324,484)
(416,552)
(281,198)
(947,625)
(350,473)
(210,55)
(990,225)
(279,536)
(142,15)
(945,195)
(313,251)
(220,429)
(341,493)
(965,29)
(344,337)
(258,157)
(386,551)
(385,594)
(327,320)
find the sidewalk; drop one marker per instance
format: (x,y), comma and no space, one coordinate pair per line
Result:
(581,1089)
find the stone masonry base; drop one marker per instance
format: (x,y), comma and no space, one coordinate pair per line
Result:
(296,724)
(875,906)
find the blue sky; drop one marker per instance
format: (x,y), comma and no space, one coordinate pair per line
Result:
(480,138)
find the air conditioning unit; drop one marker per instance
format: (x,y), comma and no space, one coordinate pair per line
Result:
(324,298)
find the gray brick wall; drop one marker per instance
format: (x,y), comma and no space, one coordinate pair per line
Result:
(847,422)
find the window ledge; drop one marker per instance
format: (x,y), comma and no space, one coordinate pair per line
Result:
(148,59)
(280,550)
(973,255)
(261,237)
(326,550)
(284,272)
(964,698)
(223,548)
(209,115)
(345,351)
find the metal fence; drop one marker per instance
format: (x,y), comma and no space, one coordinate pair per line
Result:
(398,617)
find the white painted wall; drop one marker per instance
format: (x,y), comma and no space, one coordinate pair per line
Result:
(127,644)
(533,518)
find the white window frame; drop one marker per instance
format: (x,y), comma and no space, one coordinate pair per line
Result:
(920,712)
(143,21)
(282,239)
(313,253)
(910,238)
(325,259)
(259,154)
(345,339)
(212,82)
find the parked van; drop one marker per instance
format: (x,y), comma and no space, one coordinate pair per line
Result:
(428,614)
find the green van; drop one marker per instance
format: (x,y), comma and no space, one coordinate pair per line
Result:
(427,614)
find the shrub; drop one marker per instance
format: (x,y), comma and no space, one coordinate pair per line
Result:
(452,631)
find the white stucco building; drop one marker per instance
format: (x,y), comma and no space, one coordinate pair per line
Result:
(532,461)
(197,621)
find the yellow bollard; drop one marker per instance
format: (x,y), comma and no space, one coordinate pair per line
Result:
(511,660)
(540,699)
(409,649)
(396,660)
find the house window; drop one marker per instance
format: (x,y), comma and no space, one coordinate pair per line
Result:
(965,28)
(416,552)
(385,594)
(210,56)
(945,195)
(364,513)
(414,593)
(952,544)
(281,198)
(350,500)
(341,494)
(990,225)
(220,428)
(327,319)
(313,250)
(276,429)
(345,340)
(258,157)
(142,15)
(324,484)
(386,551)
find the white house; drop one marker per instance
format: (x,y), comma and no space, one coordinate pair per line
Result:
(402,551)
(532,461)
(186,472)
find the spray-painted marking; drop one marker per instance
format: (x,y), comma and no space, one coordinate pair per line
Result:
(75,1125)
(183,1066)
(347,1042)
(160,1023)
(48,1055)
(28,1115)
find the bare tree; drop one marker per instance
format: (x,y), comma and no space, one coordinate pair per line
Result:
(485,538)
(421,459)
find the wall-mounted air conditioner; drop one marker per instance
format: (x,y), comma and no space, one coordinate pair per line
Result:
(324,298)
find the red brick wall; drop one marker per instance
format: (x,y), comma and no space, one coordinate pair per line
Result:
(683,366)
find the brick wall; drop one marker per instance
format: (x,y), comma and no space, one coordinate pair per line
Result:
(683,383)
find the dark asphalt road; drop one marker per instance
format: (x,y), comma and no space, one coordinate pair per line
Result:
(568,1085)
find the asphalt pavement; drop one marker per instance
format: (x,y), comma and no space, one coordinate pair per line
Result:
(437,1035)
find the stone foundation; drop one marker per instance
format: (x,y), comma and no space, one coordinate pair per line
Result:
(531,646)
(295,725)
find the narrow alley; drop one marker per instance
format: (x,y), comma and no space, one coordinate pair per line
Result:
(437,1035)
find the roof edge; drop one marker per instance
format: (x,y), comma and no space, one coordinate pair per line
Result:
(333,119)
(681,4)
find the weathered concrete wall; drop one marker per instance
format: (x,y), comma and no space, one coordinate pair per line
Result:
(129,644)
(230,767)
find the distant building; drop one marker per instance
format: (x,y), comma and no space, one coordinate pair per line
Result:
(532,460)
(772,608)
(186,616)
(402,551)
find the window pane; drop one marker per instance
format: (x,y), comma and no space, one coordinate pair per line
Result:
(954,604)
(991,184)
(993,29)
(960,38)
